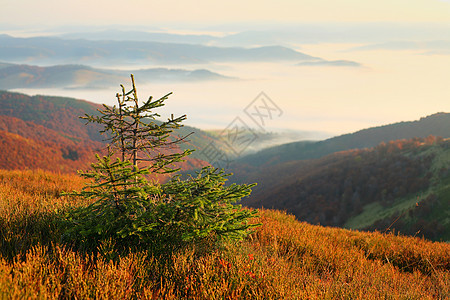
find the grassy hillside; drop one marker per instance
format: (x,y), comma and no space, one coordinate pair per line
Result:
(282,259)
(60,114)
(401,185)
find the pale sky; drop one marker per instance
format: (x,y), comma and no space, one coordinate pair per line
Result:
(393,85)
(148,12)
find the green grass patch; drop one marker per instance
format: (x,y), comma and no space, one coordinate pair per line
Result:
(375,211)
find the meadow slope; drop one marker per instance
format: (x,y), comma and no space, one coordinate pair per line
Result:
(282,259)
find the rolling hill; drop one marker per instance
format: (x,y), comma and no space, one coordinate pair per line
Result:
(27,145)
(371,179)
(43,132)
(437,125)
(402,185)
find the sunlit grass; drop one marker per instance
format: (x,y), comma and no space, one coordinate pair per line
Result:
(282,259)
(375,211)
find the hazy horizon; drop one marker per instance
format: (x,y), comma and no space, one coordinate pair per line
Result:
(386,61)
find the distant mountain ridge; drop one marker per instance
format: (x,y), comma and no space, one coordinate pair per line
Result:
(57,50)
(437,125)
(14,76)
(134,35)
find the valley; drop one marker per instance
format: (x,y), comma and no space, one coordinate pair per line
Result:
(388,178)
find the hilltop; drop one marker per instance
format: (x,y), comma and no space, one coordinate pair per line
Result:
(44,132)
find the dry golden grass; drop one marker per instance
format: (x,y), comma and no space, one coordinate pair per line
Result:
(283,259)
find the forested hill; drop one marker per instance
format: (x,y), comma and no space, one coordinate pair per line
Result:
(43,132)
(60,114)
(405,183)
(437,125)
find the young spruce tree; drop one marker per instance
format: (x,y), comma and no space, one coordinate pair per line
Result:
(130,210)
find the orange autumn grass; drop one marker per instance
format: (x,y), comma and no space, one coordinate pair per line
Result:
(282,259)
